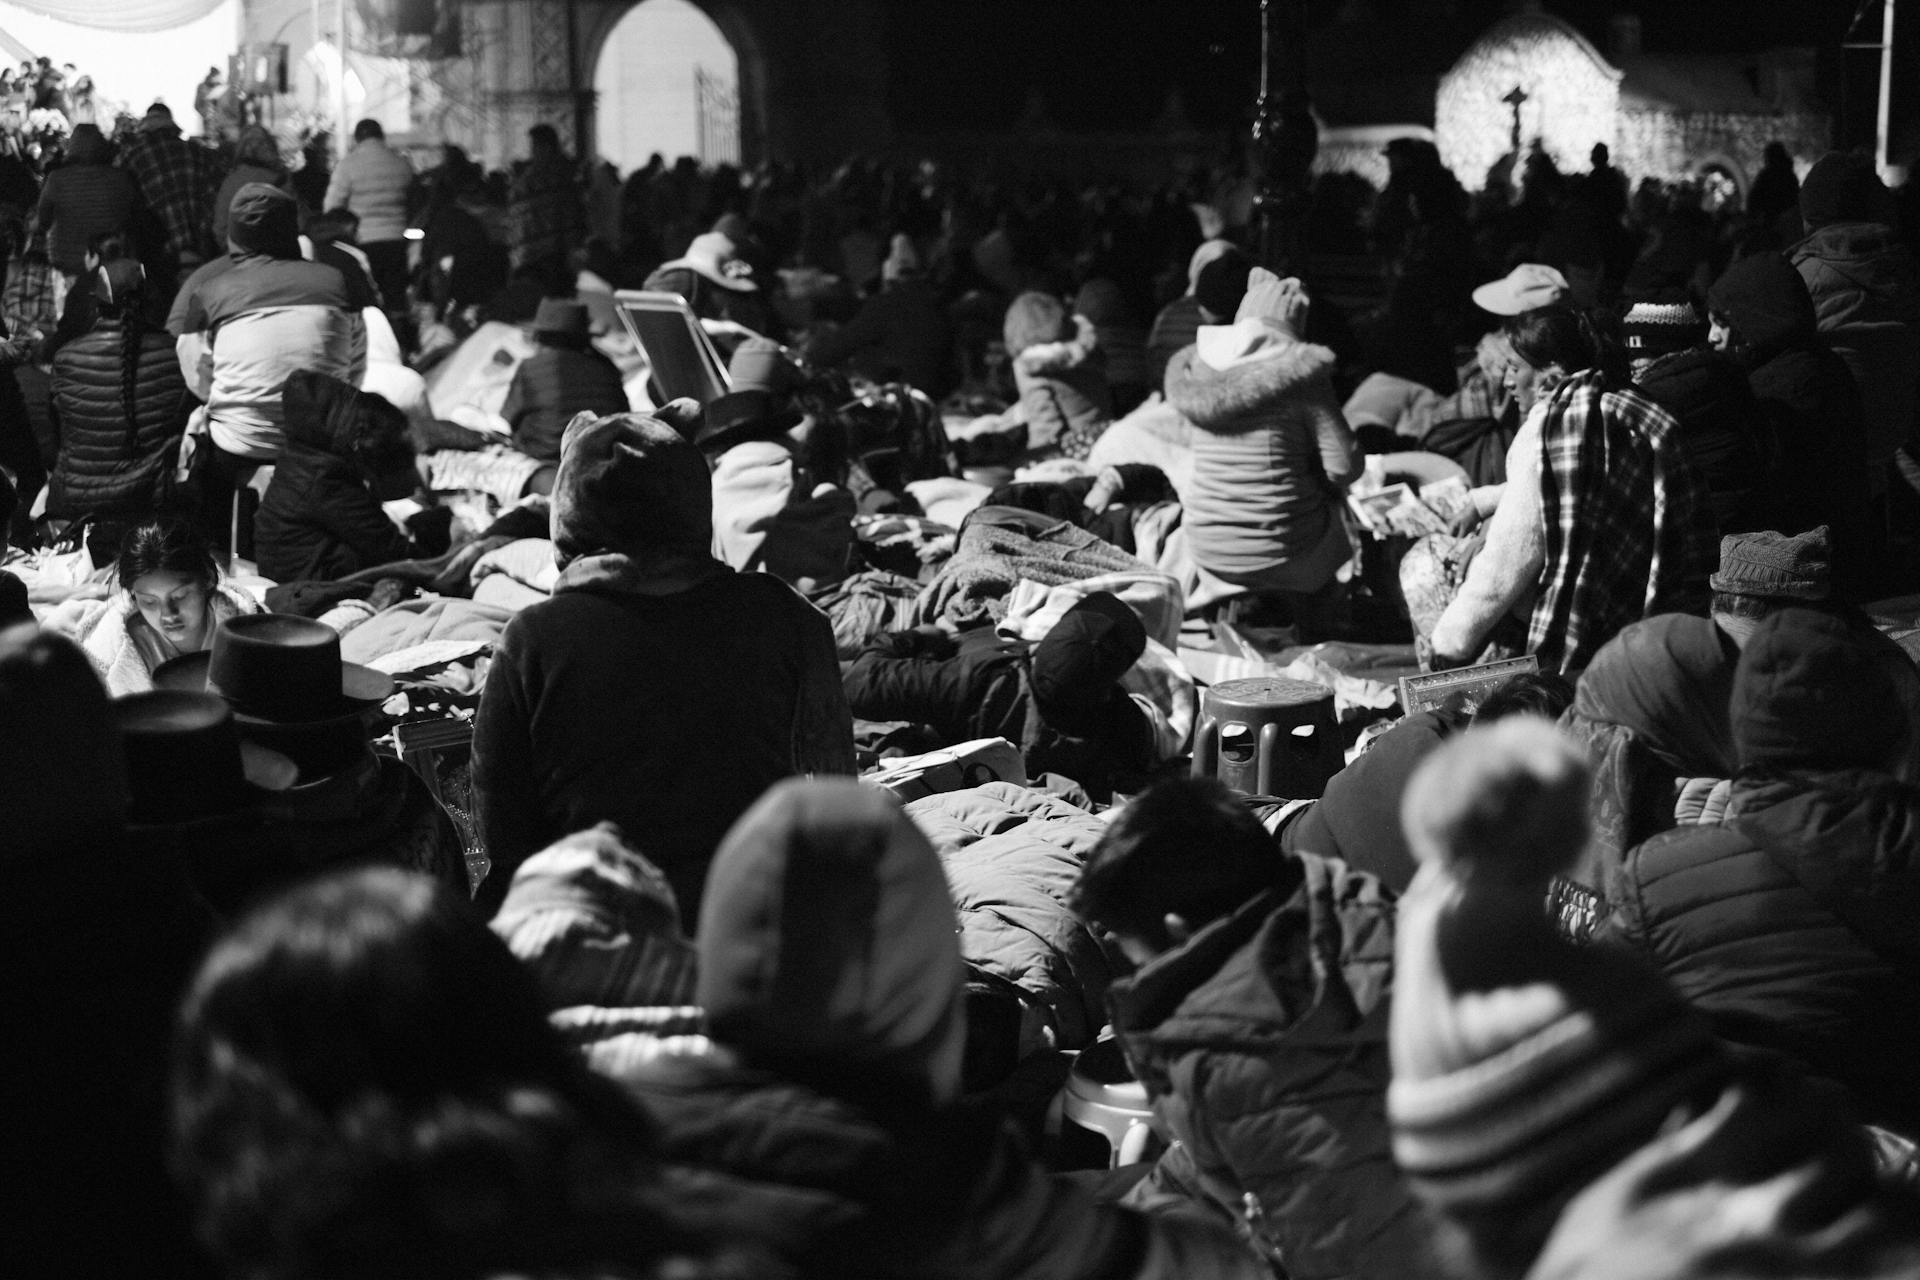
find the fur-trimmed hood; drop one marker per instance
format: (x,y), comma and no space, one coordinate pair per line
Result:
(1233,374)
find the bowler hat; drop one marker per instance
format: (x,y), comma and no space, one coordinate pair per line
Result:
(277,669)
(561,317)
(186,761)
(740,416)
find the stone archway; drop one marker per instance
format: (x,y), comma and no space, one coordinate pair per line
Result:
(598,20)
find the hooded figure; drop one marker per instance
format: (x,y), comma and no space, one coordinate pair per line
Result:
(657,688)
(1764,317)
(831,978)
(84,197)
(347,452)
(1866,292)
(1652,711)
(256,158)
(1791,922)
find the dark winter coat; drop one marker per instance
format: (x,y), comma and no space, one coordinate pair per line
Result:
(1358,817)
(979,686)
(1812,406)
(108,465)
(1866,293)
(667,713)
(899,335)
(553,385)
(319,518)
(1263,1042)
(1793,922)
(81,198)
(1722,430)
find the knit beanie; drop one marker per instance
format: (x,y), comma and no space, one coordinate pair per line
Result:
(1775,566)
(264,219)
(1078,663)
(1523,1066)
(1810,691)
(1035,318)
(1843,187)
(761,364)
(629,483)
(1655,329)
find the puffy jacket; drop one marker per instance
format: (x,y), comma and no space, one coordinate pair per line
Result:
(1263,1042)
(108,465)
(550,387)
(1722,431)
(1866,295)
(84,196)
(1270,458)
(1813,407)
(831,979)
(1011,855)
(374,181)
(319,519)
(247,321)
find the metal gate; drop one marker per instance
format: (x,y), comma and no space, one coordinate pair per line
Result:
(717,108)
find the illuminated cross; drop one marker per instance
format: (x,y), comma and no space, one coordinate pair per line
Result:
(1514,100)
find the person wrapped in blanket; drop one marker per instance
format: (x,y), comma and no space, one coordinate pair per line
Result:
(1059,700)
(1603,518)
(1060,373)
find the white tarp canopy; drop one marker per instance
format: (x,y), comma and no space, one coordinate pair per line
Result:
(123,15)
(131,65)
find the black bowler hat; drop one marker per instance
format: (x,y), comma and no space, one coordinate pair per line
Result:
(277,669)
(186,761)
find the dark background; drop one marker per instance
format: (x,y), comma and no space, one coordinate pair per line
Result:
(1107,65)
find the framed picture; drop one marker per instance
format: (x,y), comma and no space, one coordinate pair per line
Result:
(681,357)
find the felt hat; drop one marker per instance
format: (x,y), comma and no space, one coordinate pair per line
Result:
(186,761)
(159,118)
(561,317)
(1653,329)
(740,416)
(763,364)
(1810,691)
(264,219)
(1524,288)
(1775,565)
(716,257)
(287,687)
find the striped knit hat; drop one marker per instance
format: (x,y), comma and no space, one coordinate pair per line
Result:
(1653,329)
(1524,1067)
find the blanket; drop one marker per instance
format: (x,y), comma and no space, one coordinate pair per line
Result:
(998,548)
(415,622)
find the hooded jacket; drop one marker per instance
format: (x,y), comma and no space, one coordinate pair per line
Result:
(1811,402)
(246,324)
(832,981)
(1791,923)
(319,519)
(1866,295)
(656,688)
(1263,1042)
(1721,429)
(108,465)
(84,196)
(1270,458)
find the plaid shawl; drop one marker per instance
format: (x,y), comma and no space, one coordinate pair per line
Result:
(1629,531)
(179,179)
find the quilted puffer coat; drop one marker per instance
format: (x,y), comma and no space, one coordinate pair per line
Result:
(1263,1043)
(112,463)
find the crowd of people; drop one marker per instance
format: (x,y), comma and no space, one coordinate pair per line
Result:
(475,810)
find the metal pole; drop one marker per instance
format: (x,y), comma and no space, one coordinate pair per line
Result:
(1883,117)
(342,130)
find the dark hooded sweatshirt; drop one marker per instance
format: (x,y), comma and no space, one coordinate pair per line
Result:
(657,688)
(831,977)
(320,519)
(1812,406)
(1792,923)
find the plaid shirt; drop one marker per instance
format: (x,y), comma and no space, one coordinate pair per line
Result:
(179,179)
(1629,530)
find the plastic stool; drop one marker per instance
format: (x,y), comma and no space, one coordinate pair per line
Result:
(1102,1095)
(1269,736)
